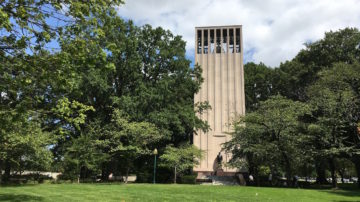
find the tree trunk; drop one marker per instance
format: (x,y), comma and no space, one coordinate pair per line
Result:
(175,175)
(6,176)
(288,179)
(255,172)
(357,166)
(127,175)
(257,180)
(79,174)
(287,169)
(341,173)
(104,173)
(320,172)
(333,173)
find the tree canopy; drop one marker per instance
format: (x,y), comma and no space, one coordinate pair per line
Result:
(87,91)
(324,77)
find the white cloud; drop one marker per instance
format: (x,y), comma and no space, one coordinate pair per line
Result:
(274,31)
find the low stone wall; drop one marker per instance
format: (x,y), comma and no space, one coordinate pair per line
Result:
(53,175)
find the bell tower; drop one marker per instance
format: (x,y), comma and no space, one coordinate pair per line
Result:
(219,52)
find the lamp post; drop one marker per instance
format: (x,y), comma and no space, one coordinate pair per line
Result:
(155,152)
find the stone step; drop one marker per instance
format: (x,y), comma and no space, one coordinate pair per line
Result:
(224,180)
(218,180)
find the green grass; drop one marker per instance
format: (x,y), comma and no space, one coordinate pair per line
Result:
(149,192)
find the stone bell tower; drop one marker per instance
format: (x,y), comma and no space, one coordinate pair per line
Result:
(219,52)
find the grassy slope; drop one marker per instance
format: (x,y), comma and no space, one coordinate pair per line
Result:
(148,192)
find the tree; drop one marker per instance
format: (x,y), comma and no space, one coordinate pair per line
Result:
(84,154)
(258,84)
(345,168)
(99,63)
(330,89)
(293,77)
(127,140)
(23,144)
(269,136)
(249,150)
(36,78)
(335,104)
(141,71)
(32,25)
(337,46)
(180,158)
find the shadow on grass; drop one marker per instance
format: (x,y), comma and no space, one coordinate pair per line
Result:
(348,193)
(19,197)
(17,185)
(345,190)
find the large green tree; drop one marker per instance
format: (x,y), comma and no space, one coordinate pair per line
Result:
(269,136)
(23,144)
(293,77)
(35,77)
(128,141)
(335,102)
(111,64)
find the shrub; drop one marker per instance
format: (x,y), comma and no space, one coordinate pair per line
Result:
(143,177)
(188,179)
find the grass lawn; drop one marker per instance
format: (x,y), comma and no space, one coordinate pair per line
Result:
(149,192)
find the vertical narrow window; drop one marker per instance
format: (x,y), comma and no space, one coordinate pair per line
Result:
(231,40)
(206,41)
(218,41)
(238,40)
(212,41)
(224,41)
(199,41)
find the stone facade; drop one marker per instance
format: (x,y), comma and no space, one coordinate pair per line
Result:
(219,52)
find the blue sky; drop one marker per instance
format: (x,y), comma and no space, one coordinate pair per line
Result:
(273,31)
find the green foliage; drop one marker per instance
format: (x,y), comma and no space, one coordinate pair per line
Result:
(71,112)
(84,154)
(264,171)
(184,157)
(325,76)
(293,77)
(336,108)
(335,102)
(180,159)
(337,46)
(32,25)
(144,177)
(110,92)
(188,179)
(34,84)
(258,84)
(107,83)
(269,137)
(130,140)
(141,86)
(24,145)
(345,168)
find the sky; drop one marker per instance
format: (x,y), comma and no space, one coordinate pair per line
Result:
(273,30)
